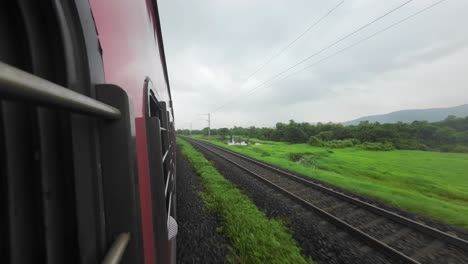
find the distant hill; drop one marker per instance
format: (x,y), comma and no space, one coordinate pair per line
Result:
(408,116)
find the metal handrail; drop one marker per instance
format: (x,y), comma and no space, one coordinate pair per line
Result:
(15,83)
(115,253)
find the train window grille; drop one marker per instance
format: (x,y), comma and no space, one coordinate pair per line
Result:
(160,142)
(159,110)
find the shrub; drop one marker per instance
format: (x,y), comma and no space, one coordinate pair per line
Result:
(262,152)
(315,141)
(305,159)
(345,143)
(460,149)
(309,161)
(295,156)
(375,146)
(446,148)
(295,135)
(325,135)
(410,144)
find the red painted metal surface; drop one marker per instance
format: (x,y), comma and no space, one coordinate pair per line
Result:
(145,194)
(128,36)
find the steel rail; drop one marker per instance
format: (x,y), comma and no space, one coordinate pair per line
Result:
(435,233)
(338,222)
(446,237)
(18,84)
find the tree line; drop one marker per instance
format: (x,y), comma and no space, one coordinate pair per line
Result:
(449,135)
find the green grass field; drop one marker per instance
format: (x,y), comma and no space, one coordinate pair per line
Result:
(254,237)
(433,184)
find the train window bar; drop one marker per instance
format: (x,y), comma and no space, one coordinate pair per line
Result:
(18,84)
(167,182)
(165,155)
(169,206)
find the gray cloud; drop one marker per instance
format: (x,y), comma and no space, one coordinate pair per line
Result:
(212,46)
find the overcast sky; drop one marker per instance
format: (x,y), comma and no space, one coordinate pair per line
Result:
(212,46)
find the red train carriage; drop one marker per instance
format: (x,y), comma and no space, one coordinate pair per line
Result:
(87,142)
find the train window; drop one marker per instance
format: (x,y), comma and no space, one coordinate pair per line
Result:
(154,106)
(157,154)
(157,112)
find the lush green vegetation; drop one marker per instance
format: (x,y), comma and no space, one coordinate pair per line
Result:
(433,184)
(255,238)
(450,135)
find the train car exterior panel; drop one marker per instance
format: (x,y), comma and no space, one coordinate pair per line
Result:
(95,178)
(130,38)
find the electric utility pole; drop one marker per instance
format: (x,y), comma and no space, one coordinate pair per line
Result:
(209,124)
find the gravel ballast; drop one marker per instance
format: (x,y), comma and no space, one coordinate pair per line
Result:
(197,238)
(323,242)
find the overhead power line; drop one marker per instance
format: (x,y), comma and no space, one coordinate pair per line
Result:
(318,52)
(281,51)
(292,42)
(356,43)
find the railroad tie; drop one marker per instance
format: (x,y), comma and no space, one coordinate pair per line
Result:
(352,214)
(400,233)
(335,206)
(428,250)
(371,223)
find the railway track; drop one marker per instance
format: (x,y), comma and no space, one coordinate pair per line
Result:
(396,236)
